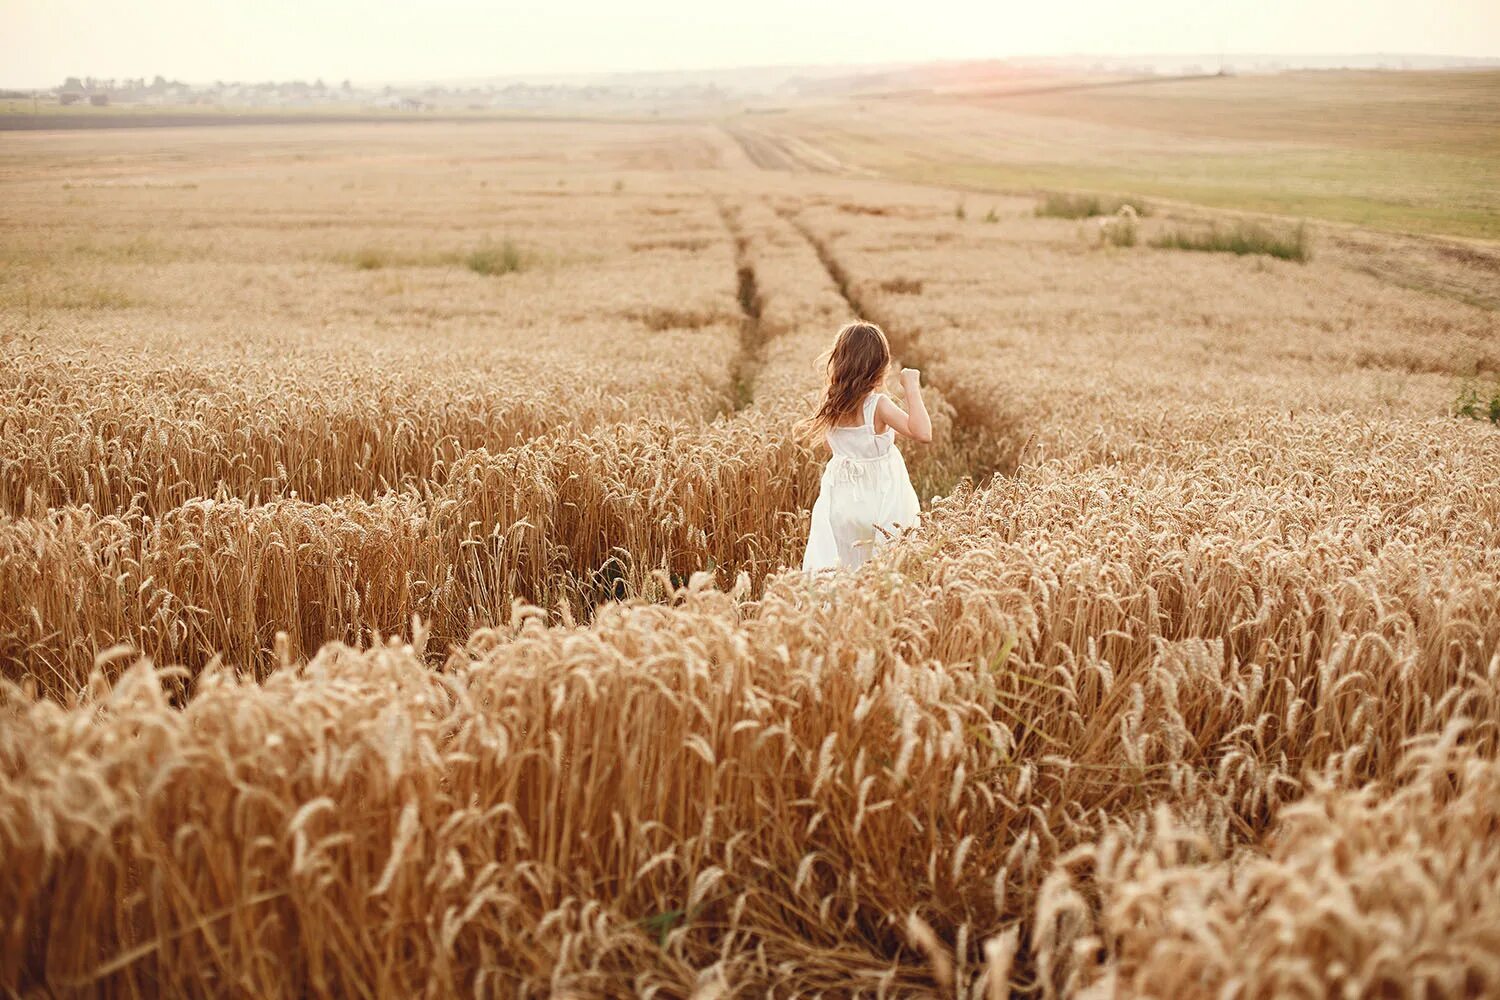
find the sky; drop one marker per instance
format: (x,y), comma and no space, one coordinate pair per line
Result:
(373,41)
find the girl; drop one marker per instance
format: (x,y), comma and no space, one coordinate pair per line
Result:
(866,497)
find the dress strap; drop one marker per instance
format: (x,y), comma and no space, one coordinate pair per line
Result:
(871,401)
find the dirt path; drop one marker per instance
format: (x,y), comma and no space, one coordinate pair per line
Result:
(752,346)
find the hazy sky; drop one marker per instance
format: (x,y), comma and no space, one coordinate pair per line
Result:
(41,41)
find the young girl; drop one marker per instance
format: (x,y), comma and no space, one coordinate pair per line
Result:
(866,497)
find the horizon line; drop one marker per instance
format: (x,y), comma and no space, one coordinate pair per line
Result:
(1221,56)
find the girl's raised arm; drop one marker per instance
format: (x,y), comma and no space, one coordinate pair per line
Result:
(916,425)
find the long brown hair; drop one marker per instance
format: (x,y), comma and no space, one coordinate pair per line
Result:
(857,365)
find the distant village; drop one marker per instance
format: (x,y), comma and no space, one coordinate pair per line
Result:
(676,91)
(516,96)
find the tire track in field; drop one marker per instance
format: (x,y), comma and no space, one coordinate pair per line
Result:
(751,356)
(904,343)
(788,153)
(984,441)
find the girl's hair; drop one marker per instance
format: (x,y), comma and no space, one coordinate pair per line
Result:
(857,365)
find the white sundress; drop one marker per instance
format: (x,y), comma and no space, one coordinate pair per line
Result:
(865,488)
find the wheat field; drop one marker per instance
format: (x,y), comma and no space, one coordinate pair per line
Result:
(394,524)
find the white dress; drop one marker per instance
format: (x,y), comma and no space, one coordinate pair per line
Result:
(865,489)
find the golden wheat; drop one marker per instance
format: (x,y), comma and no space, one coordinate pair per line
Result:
(469,667)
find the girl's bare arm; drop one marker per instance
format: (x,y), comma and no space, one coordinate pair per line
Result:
(916,425)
